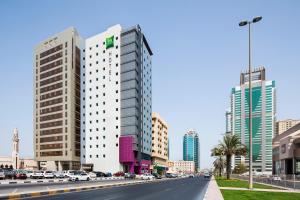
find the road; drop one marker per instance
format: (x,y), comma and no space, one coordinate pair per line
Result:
(177,189)
(27,187)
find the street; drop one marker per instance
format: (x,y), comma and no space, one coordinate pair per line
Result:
(186,189)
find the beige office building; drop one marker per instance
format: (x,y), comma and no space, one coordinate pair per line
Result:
(284,125)
(181,166)
(159,155)
(57,101)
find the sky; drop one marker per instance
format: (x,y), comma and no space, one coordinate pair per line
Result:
(199,52)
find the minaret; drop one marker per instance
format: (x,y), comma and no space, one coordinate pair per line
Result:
(15,152)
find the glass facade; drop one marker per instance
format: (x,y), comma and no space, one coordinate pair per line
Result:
(191,148)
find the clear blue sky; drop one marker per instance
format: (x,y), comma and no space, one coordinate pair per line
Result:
(199,52)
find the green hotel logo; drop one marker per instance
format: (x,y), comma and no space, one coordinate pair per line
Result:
(109,42)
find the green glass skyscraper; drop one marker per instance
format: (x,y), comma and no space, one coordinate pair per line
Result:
(263,118)
(191,148)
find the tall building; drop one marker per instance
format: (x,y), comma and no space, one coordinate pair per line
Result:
(15,152)
(57,101)
(160,143)
(263,117)
(284,125)
(116,101)
(191,148)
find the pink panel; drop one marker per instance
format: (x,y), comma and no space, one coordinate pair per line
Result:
(125,149)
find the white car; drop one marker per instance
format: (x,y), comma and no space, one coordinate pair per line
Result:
(38,174)
(59,175)
(68,173)
(29,174)
(48,174)
(147,177)
(276,178)
(92,175)
(79,177)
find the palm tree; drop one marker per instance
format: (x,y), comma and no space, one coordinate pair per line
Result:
(219,162)
(231,145)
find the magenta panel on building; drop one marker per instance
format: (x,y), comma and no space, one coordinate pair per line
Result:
(125,149)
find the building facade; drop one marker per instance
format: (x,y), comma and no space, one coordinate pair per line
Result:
(286,152)
(263,118)
(284,125)
(14,161)
(160,143)
(57,101)
(228,121)
(117,101)
(191,147)
(179,167)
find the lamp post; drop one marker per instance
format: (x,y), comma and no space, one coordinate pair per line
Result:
(244,23)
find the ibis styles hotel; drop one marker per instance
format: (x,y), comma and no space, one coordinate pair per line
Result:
(263,117)
(117,101)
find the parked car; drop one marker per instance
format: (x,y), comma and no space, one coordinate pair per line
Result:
(48,174)
(2,174)
(191,175)
(29,174)
(68,173)
(79,177)
(9,174)
(92,175)
(99,174)
(108,174)
(156,175)
(59,174)
(276,178)
(20,175)
(147,177)
(117,174)
(38,175)
(130,175)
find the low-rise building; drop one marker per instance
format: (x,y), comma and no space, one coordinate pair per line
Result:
(286,152)
(159,156)
(284,125)
(181,166)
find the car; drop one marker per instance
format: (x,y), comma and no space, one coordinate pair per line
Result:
(79,177)
(48,174)
(129,175)
(29,174)
(68,173)
(58,174)
(108,174)
(2,174)
(147,176)
(99,174)
(156,175)
(276,178)
(171,175)
(206,175)
(37,175)
(9,174)
(20,175)
(191,176)
(118,174)
(92,175)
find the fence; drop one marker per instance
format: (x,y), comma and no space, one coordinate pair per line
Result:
(289,181)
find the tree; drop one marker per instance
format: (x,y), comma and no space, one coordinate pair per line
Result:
(240,169)
(2,166)
(231,145)
(219,162)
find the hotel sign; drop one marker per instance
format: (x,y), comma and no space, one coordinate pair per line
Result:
(109,42)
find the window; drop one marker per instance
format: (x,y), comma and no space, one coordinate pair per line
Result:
(103,155)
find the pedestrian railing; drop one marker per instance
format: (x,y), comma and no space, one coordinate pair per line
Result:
(289,181)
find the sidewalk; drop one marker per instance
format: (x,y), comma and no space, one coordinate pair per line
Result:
(213,192)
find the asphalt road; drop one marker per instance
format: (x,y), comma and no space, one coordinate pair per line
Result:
(177,189)
(27,187)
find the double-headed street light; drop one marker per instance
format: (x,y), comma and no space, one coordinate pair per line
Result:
(244,23)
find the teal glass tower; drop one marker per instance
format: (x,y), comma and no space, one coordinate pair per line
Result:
(191,148)
(263,118)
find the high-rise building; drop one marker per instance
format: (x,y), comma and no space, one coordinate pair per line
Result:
(284,125)
(159,143)
(263,118)
(116,101)
(57,101)
(191,148)
(15,152)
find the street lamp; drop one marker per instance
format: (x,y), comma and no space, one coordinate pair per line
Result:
(244,23)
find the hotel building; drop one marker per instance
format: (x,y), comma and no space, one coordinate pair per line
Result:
(117,101)
(191,148)
(57,101)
